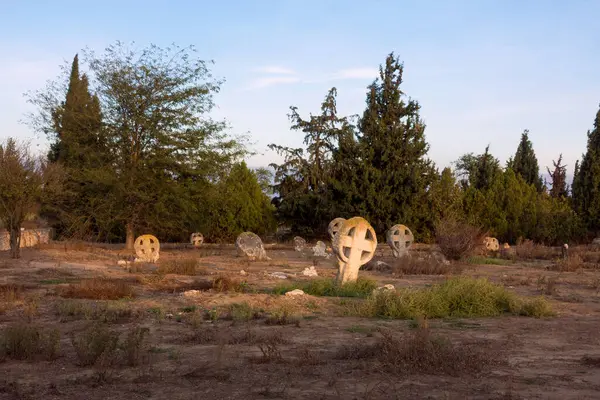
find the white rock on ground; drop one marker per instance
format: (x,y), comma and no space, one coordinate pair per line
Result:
(310,271)
(191,293)
(295,292)
(279,275)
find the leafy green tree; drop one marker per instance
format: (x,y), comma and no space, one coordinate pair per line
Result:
(478,171)
(525,162)
(394,172)
(24,181)
(163,149)
(586,183)
(239,205)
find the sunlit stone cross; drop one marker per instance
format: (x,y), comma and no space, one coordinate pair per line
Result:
(354,245)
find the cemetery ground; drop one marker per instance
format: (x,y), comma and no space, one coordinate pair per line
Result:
(75,324)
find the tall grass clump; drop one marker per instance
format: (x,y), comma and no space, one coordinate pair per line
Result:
(178,266)
(363,287)
(457,297)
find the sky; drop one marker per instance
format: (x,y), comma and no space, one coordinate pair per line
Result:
(482,70)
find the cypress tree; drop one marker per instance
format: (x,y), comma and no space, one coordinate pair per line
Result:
(586,185)
(77,123)
(559,179)
(525,162)
(394,170)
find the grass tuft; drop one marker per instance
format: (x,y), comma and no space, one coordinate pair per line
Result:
(178,266)
(479,260)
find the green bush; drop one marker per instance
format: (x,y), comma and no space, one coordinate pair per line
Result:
(363,287)
(456,297)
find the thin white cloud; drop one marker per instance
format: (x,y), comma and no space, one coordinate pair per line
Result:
(275,69)
(357,73)
(272,81)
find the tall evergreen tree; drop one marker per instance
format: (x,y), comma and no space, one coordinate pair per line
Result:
(525,162)
(394,170)
(478,171)
(77,124)
(559,179)
(586,184)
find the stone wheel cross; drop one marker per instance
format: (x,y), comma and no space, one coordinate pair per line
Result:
(400,239)
(147,248)
(334,226)
(197,239)
(354,245)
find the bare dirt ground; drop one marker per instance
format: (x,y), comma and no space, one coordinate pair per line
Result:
(196,347)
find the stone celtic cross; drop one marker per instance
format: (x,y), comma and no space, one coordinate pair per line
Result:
(334,226)
(354,245)
(400,239)
(147,248)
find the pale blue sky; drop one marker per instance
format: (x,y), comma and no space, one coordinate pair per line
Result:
(482,70)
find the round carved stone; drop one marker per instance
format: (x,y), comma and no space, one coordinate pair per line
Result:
(250,245)
(147,248)
(197,239)
(491,243)
(299,243)
(354,245)
(400,239)
(334,226)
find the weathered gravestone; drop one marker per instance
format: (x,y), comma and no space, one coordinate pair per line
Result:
(147,248)
(320,250)
(354,245)
(400,239)
(197,239)
(250,245)
(491,244)
(299,243)
(334,226)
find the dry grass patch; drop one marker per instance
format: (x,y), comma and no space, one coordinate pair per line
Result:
(528,250)
(98,289)
(101,311)
(428,265)
(179,266)
(421,353)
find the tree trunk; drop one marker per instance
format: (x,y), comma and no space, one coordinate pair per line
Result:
(15,242)
(130,238)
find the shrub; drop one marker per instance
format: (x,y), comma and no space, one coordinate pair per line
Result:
(457,239)
(228,284)
(26,342)
(134,345)
(98,289)
(528,250)
(96,346)
(456,297)
(363,287)
(106,312)
(421,353)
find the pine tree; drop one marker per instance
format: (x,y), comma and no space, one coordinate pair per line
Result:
(586,184)
(525,162)
(559,179)
(478,171)
(394,172)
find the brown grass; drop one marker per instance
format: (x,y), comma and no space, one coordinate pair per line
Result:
(421,353)
(573,263)
(528,250)
(98,289)
(428,265)
(457,239)
(179,266)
